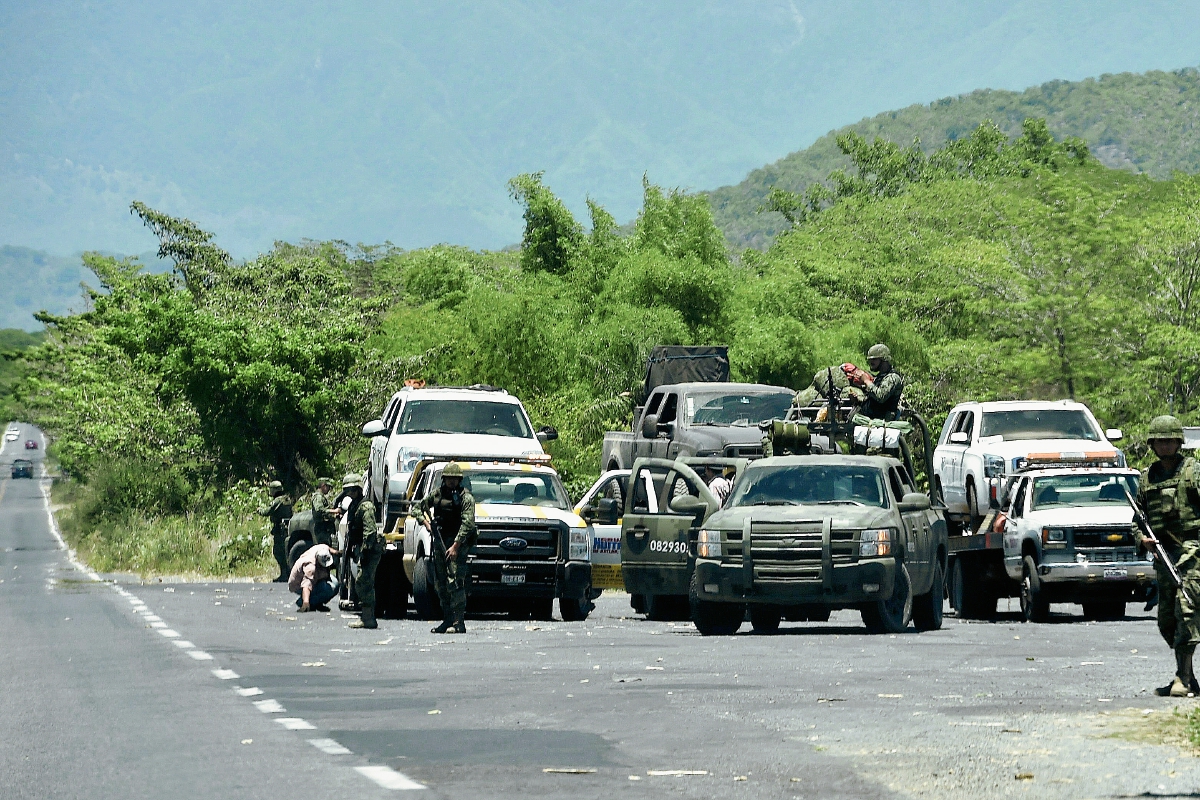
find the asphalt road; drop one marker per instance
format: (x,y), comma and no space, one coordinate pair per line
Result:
(117,689)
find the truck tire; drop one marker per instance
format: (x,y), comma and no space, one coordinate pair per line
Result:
(969,599)
(299,548)
(765,619)
(714,619)
(927,608)
(573,609)
(893,614)
(425,599)
(1034,605)
(973,507)
(1104,610)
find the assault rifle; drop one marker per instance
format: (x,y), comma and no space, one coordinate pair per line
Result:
(1156,547)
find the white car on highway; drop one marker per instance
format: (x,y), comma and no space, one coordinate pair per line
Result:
(981,443)
(469,423)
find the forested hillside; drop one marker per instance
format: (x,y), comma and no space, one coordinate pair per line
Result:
(1147,123)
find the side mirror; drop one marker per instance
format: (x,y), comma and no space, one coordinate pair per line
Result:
(960,437)
(374,428)
(547,433)
(607,511)
(914,501)
(686,504)
(1114,434)
(650,426)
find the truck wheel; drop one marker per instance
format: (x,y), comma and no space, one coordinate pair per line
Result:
(927,608)
(299,548)
(638,603)
(425,599)
(893,614)
(715,619)
(1034,605)
(968,598)
(575,609)
(973,507)
(765,619)
(1104,610)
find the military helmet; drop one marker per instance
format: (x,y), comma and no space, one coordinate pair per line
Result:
(880,351)
(352,480)
(1165,427)
(324,480)
(453,470)
(275,488)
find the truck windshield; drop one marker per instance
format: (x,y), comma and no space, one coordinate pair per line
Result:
(463,416)
(809,484)
(1039,424)
(736,408)
(1061,491)
(516,488)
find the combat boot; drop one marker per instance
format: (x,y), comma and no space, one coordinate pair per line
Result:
(367,620)
(445,626)
(1187,677)
(459,625)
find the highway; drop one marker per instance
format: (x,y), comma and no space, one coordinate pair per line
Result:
(114,688)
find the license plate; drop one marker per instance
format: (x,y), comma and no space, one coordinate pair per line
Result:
(1116,573)
(512,578)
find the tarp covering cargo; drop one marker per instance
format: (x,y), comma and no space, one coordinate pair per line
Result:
(670,364)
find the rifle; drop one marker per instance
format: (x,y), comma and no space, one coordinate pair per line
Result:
(1157,548)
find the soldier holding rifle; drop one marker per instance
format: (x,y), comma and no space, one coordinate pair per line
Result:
(1169,494)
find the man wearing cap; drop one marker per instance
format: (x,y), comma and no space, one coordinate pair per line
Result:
(882,386)
(363,534)
(279,511)
(1169,494)
(324,521)
(448,512)
(311,579)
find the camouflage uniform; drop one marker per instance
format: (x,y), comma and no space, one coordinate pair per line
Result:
(324,523)
(279,510)
(453,514)
(364,535)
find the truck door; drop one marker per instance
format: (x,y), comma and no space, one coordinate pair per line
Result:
(665,446)
(606,535)
(1013,522)
(918,534)
(655,538)
(954,487)
(378,446)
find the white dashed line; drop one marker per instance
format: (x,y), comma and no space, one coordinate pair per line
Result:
(167,632)
(269,706)
(253,691)
(152,618)
(160,624)
(329,747)
(388,778)
(295,724)
(183,644)
(199,655)
(225,674)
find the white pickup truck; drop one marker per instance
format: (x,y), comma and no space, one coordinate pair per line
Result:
(981,443)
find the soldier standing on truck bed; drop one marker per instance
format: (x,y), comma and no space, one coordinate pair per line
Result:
(364,535)
(279,510)
(453,533)
(1169,493)
(883,388)
(324,522)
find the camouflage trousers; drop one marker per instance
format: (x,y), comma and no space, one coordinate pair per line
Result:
(1179,620)
(368,563)
(450,578)
(279,549)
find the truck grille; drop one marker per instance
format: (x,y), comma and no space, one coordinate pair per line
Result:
(1109,554)
(744,451)
(1103,536)
(542,537)
(792,550)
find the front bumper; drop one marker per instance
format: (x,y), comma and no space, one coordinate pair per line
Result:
(845,585)
(571,579)
(1096,572)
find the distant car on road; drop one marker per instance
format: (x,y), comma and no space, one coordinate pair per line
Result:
(31,444)
(22,468)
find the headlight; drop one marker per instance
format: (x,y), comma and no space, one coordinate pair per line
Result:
(579,549)
(708,544)
(993,466)
(1054,535)
(877,542)
(407,458)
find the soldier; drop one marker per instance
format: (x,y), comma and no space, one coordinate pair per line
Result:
(883,388)
(363,534)
(453,509)
(324,521)
(279,510)
(1169,493)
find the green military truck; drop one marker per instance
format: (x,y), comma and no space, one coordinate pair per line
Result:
(836,522)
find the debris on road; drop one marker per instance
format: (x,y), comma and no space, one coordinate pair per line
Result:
(570,770)
(674,773)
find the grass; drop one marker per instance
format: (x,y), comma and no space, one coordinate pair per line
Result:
(1176,727)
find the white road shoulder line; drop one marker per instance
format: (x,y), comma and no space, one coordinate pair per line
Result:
(269,707)
(388,778)
(225,674)
(200,655)
(252,691)
(329,747)
(167,632)
(183,644)
(295,724)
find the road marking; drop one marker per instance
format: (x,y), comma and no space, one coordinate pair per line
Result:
(388,778)
(329,747)
(269,706)
(199,655)
(160,624)
(251,692)
(183,644)
(151,617)
(225,674)
(167,632)
(295,724)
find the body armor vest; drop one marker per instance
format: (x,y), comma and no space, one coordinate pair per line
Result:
(354,526)
(1173,505)
(447,512)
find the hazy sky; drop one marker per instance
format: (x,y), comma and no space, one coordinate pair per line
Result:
(403,121)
